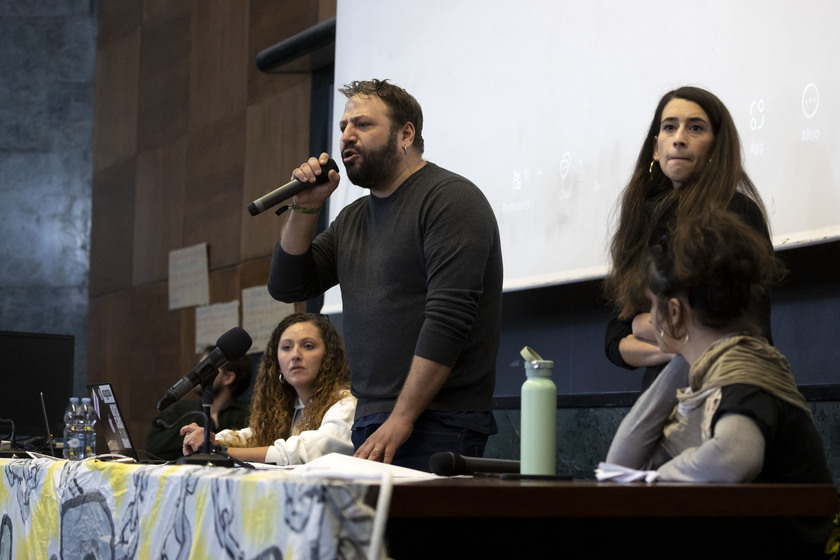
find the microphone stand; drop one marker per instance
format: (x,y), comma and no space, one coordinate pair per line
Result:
(207,455)
(13,451)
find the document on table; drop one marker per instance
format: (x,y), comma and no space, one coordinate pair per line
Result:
(617,473)
(336,465)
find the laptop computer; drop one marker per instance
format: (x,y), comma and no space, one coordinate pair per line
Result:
(110,427)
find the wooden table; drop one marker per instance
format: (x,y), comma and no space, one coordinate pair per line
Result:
(493,518)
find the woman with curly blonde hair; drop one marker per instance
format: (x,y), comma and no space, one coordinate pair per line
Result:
(302,407)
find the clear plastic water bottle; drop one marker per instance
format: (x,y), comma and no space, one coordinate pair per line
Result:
(538,453)
(89,417)
(73,432)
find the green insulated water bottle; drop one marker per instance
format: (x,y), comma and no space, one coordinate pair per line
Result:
(538,452)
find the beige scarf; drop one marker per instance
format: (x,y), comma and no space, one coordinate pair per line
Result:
(732,359)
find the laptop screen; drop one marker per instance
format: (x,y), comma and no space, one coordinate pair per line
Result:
(110,427)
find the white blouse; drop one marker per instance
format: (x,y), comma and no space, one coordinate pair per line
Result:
(333,436)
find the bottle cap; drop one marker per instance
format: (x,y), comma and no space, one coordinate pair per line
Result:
(529,354)
(534,364)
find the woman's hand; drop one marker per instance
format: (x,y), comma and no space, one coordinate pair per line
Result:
(194,438)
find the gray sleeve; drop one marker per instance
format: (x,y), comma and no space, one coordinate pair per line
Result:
(734,454)
(638,434)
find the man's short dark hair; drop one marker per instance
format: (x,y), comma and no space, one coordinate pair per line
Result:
(404,108)
(242,369)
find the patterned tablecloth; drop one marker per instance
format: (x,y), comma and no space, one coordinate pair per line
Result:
(93,509)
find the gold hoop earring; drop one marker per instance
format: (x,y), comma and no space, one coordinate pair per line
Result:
(662,335)
(282,380)
(650,169)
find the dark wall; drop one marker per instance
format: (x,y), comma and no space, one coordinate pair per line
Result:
(47,64)
(806,313)
(566,324)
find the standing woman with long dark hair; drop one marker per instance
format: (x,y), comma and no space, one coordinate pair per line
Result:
(690,161)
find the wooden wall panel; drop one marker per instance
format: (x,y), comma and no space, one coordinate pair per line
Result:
(134,345)
(115,107)
(219,62)
(275,145)
(164,82)
(157,11)
(158,210)
(326,9)
(112,230)
(109,335)
(117,19)
(154,356)
(188,132)
(254,272)
(273,21)
(186,341)
(225,286)
(213,210)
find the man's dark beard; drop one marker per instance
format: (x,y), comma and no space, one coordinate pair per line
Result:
(378,167)
(199,389)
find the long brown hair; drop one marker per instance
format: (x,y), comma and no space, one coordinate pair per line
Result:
(718,265)
(273,403)
(649,202)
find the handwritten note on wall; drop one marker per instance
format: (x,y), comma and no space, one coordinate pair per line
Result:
(212,321)
(260,314)
(189,283)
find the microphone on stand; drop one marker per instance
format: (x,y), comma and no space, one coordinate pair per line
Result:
(231,346)
(290,189)
(207,455)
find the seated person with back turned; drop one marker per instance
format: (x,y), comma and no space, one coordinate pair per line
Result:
(302,407)
(738,416)
(226,412)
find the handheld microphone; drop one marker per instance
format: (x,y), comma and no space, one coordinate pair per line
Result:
(450,464)
(290,189)
(231,346)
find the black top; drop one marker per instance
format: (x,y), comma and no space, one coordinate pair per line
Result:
(420,273)
(617,328)
(793,450)
(167,443)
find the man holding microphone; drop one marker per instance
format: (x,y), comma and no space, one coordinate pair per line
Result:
(420,268)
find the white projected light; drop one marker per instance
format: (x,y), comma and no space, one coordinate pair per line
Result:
(544,105)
